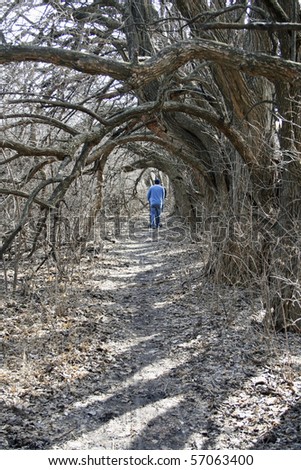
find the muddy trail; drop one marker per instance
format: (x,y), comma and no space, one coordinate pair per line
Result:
(141,351)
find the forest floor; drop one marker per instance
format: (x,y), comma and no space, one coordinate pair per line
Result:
(133,348)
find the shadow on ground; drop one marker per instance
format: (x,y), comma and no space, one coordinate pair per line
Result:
(177,359)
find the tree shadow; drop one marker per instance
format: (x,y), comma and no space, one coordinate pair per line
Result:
(162,391)
(285,435)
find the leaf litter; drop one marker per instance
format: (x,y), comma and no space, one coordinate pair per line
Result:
(138,350)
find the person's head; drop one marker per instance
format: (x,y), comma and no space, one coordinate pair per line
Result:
(157,181)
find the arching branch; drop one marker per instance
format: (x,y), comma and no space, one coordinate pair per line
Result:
(39,118)
(30,151)
(218,122)
(211,118)
(59,104)
(15,192)
(168,60)
(172,147)
(86,63)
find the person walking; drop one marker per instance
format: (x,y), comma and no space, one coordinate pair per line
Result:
(156,196)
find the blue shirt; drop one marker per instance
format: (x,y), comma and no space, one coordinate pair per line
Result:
(156,195)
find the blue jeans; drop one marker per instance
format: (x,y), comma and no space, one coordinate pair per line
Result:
(155,212)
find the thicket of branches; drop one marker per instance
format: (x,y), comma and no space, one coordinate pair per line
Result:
(207,93)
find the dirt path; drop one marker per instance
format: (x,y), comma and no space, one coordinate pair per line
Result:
(145,383)
(163,360)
